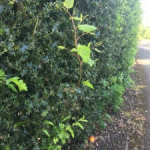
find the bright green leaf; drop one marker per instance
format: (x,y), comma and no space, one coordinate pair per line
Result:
(68,128)
(82,119)
(76,18)
(90,62)
(21,85)
(2,76)
(46,132)
(68,117)
(61,47)
(68,3)
(81,17)
(48,122)
(97,50)
(87,28)
(83,51)
(78,124)
(87,83)
(89,44)
(55,140)
(11,86)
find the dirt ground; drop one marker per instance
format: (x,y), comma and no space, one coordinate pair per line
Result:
(128,128)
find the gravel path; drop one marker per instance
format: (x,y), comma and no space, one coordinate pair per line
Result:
(144,61)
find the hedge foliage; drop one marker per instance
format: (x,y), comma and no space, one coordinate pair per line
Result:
(31,38)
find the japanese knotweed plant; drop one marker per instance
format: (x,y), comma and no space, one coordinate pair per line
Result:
(81,52)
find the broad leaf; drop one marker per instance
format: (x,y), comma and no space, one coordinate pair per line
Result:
(68,3)
(87,28)
(21,85)
(90,62)
(87,83)
(83,51)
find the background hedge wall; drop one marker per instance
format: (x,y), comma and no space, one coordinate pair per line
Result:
(52,74)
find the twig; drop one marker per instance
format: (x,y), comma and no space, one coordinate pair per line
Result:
(127,142)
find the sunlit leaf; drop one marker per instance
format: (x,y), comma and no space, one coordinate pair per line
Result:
(89,44)
(90,62)
(68,128)
(61,47)
(87,83)
(87,28)
(46,132)
(78,124)
(48,122)
(2,75)
(21,85)
(76,18)
(68,3)
(97,50)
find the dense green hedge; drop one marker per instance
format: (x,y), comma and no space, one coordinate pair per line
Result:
(52,74)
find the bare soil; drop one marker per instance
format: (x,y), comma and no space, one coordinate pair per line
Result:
(128,128)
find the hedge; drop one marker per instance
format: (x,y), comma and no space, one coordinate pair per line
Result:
(30,37)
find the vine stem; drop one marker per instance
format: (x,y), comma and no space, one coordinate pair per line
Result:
(75,44)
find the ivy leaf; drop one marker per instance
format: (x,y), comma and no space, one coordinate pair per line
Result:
(2,76)
(48,122)
(87,28)
(46,132)
(87,83)
(68,3)
(21,85)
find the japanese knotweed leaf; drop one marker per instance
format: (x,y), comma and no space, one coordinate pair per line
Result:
(87,28)
(84,52)
(68,3)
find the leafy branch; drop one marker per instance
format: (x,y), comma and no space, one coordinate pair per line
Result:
(82,51)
